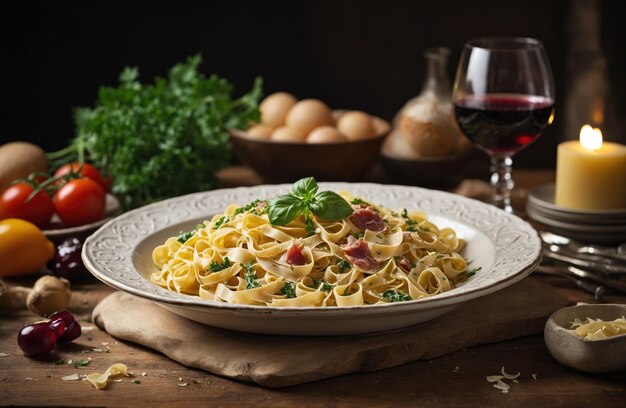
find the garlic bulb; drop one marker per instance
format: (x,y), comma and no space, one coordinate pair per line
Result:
(50,294)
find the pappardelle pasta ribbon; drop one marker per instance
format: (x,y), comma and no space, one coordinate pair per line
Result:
(375,255)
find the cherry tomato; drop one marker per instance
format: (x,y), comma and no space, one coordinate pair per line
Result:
(87,170)
(14,203)
(79,202)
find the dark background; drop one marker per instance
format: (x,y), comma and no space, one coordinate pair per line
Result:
(352,54)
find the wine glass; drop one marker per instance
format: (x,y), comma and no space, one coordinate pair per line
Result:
(503,97)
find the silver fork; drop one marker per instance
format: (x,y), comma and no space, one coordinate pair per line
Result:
(604,266)
(610,254)
(596,290)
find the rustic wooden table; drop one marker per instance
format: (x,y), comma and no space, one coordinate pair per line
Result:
(457,379)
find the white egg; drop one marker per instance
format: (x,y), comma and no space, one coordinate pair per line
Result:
(326,134)
(285,134)
(275,107)
(356,125)
(309,114)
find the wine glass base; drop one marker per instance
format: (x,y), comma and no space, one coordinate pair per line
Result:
(516,205)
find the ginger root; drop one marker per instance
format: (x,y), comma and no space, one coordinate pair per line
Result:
(12,297)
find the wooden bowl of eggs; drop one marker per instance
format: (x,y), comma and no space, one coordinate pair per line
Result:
(304,138)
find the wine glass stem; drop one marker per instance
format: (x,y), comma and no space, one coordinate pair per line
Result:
(502,182)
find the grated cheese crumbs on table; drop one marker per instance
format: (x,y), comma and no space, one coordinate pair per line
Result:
(498,380)
(72,377)
(456,369)
(182,384)
(509,376)
(144,374)
(87,328)
(534,376)
(4,355)
(501,385)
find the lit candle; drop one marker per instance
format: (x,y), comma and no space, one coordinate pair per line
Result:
(590,173)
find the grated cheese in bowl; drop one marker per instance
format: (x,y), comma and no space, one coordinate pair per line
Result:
(597,329)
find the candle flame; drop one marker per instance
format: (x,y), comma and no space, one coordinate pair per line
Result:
(590,138)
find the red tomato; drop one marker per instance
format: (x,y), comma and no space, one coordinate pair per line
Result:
(14,204)
(79,202)
(86,171)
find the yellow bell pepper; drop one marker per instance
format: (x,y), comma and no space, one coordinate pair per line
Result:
(24,249)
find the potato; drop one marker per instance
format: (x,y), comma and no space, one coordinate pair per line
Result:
(18,160)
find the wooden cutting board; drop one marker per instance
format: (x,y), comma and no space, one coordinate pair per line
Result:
(278,361)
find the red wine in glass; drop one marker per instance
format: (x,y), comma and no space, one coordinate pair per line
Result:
(503,123)
(504,97)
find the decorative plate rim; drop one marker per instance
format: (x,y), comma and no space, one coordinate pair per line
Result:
(108,253)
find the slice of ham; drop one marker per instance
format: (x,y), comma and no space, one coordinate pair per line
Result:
(358,253)
(404,264)
(366,218)
(294,255)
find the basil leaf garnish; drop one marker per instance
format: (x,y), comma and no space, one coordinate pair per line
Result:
(284,209)
(305,199)
(330,206)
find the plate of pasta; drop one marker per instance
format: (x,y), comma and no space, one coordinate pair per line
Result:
(309,259)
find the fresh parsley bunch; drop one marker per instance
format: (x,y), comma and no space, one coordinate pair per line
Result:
(305,199)
(164,139)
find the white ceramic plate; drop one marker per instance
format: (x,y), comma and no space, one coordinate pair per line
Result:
(537,215)
(583,233)
(542,198)
(503,245)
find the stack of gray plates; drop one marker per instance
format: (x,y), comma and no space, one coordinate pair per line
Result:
(605,226)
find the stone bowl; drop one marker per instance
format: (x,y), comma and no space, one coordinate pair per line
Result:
(592,356)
